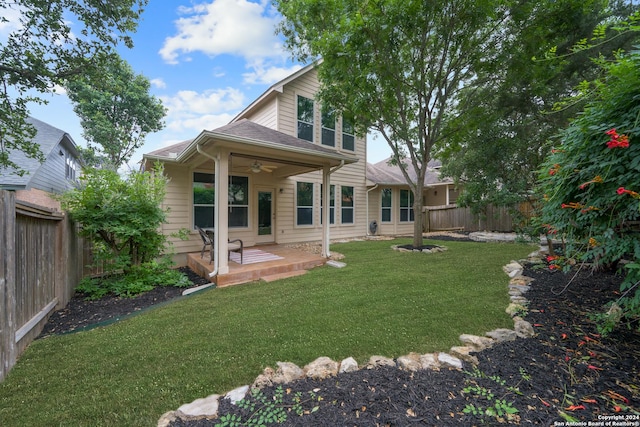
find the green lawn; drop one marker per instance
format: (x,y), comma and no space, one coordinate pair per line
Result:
(384,303)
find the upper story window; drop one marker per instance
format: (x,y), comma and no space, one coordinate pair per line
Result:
(304,203)
(329,128)
(385,214)
(305,118)
(70,168)
(348,134)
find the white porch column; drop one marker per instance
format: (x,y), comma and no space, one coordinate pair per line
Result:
(222,213)
(326,209)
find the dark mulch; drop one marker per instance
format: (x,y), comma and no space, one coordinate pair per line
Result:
(81,314)
(567,370)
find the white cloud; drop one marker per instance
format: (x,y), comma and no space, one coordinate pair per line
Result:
(159,83)
(235,27)
(268,75)
(12,14)
(190,110)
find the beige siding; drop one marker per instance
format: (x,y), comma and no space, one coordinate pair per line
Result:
(266,115)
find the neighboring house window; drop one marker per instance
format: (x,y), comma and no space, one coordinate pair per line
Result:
(406,206)
(203,199)
(238,201)
(453,195)
(348,134)
(385,214)
(70,168)
(304,203)
(332,204)
(329,128)
(305,118)
(347,205)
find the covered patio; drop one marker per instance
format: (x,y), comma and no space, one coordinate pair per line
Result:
(284,261)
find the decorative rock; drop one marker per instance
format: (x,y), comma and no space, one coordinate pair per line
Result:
(513,269)
(449,361)
(524,329)
(513,309)
(376,361)
(237,394)
(265,379)
(410,362)
(321,368)
(429,361)
(519,299)
(205,407)
(502,335)
(521,280)
(476,342)
(348,365)
(463,353)
(287,372)
(167,418)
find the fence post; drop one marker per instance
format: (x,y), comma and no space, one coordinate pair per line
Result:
(7,282)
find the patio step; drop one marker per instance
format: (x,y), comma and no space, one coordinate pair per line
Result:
(274,277)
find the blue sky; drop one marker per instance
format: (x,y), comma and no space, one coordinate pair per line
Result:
(206,62)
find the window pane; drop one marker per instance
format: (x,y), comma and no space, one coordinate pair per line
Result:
(404,215)
(305,216)
(404,198)
(238,216)
(347,216)
(348,142)
(305,131)
(305,109)
(203,188)
(347,196)
(328,137)
(386,197)
(203,216)
(238,190)
(305,194)
(329,120)
(386,215)
(348,131)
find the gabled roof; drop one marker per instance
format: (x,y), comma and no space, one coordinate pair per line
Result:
(382,173)
(274,90)
(48,138)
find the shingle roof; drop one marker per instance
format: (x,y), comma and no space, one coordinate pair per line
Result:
(47,137)
(384,174)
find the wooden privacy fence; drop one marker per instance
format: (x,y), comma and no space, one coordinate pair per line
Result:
(39,269)
(440,218)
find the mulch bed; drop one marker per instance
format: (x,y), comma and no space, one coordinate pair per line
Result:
(566,370)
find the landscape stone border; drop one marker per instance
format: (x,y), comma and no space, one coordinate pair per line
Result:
(324,367)
(435,249)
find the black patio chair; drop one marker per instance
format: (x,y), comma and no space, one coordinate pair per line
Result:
(206,241)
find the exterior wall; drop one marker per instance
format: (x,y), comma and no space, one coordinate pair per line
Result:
(50,176)
(266,115)
(435,196)
(393,227)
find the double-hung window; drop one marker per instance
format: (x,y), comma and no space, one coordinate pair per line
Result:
(329,128)
(304,203)
(385,213)
(203,199)
(347,205)
(348,134)
(406,206)
(332,204)
(305,118)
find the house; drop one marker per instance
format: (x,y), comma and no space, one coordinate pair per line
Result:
(390,200)
(293,173)
(55,175)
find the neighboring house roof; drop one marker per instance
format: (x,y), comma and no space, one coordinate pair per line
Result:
(249,133)
(48,138)
(382,173)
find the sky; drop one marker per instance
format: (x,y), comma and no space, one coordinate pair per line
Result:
(206,61)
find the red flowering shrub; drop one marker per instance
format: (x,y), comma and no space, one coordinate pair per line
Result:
(592,197)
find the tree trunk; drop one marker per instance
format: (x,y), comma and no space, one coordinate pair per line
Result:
(417,214)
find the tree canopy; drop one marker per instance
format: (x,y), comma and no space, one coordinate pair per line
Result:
(396,67)
(116,111)
(48,44)
(512,107)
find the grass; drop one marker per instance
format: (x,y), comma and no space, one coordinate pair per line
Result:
(382,303)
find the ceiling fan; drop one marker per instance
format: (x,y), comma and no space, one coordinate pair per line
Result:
(258,167)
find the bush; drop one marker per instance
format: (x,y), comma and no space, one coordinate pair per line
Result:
(590,183)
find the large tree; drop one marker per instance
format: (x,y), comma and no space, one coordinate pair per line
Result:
(116,111)
(396,66)
(496,150)
(49,43)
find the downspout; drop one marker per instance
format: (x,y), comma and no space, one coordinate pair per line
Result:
(216,218)
(367,225)
(327,239)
